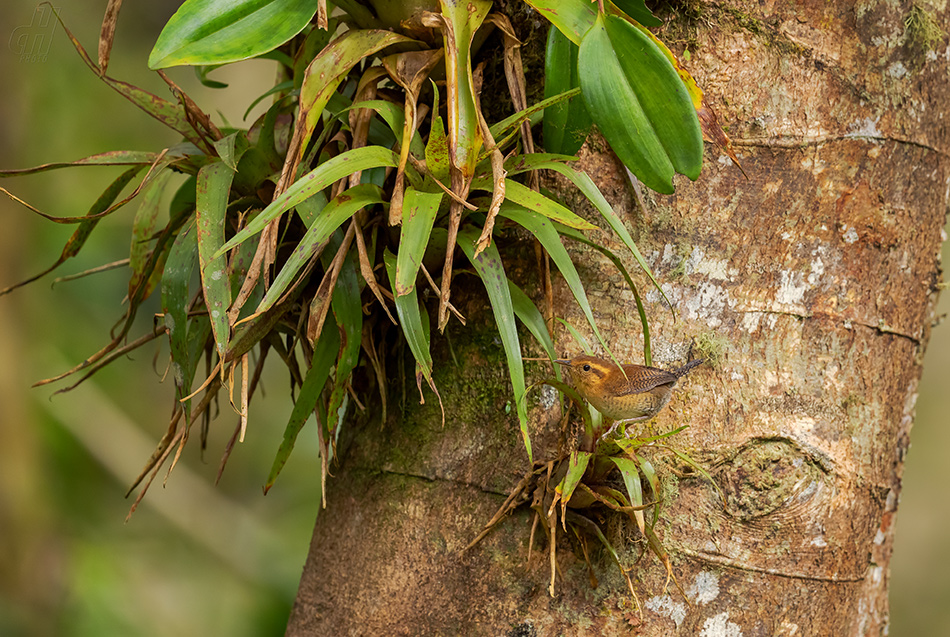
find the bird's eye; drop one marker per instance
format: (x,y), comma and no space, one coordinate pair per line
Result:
(586,368)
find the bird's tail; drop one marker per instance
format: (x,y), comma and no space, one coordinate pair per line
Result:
(685,369)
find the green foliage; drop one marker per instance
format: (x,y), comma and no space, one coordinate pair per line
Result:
(292,221)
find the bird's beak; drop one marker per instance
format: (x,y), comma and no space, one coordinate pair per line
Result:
(561,361)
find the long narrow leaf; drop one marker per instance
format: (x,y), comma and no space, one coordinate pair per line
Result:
(545,232)
(175,298)
(324,355)
(529,314)
(631,480)
(341,208)
(313,182)
(419,210)
(488,265)
(214,183)
(111,158)
(535,201)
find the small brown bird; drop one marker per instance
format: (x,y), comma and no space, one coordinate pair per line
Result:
(638,396)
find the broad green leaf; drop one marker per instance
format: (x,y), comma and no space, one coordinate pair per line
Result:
(411,321)
(175,299)
(566,124)
(575,471)
(221,31)
(528,313)
(571,17)
(524,196)
(111,158)
(324,355)
(637,10)
(143,228)
(214,184)
(332,64)
(460,20)
(418,210)
(631,480)
(639,103)
(340,208)
(545,232)
(488,265)
(313,182)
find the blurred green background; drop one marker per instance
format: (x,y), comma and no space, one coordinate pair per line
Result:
(197,559)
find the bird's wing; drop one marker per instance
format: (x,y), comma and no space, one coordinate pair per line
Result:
(646,379)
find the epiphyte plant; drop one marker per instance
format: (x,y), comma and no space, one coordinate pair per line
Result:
(315,229)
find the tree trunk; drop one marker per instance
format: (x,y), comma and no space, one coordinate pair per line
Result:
(814,279)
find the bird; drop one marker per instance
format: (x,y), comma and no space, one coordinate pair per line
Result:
(634,394)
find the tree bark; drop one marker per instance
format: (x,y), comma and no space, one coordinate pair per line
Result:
(814,279)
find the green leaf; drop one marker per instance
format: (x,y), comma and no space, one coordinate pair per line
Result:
(143,228)
(324,355)
(175,299)
(571,17)
(460,20)
(419,210)
(312,183)
(566,124)
(528,313)
(637,10)
(544,231)
(221,31)
(590,190)
(437,146)
(650,474)
(524,196)
(411,321)
(577,336)
(332,64)
(489,267)
(231,148)
(639,103)
(513,122)
(571,393)
(340,208)
(348,313)
(214,183)
(631,480)
(577,236)
(111,158)
(575,471)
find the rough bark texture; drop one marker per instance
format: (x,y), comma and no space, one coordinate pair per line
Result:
(814,280)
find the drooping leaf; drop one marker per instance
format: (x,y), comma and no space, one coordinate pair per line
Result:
(545,232)
(231,148)
(535,201)
(111,158)
(324,355)
(566,124)
(639,103)
(419,210)
(175,299)
(348,313)
(529,314)
(488,265)
(214,183)
(340,208)
(143,228)
(221,31)
(414,329)
(313,182)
